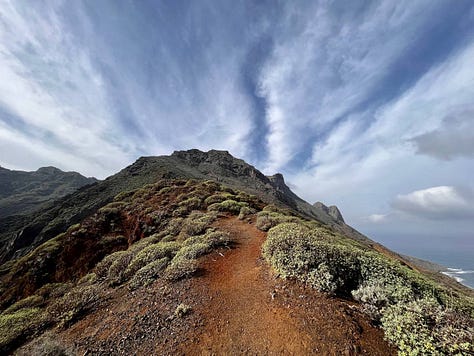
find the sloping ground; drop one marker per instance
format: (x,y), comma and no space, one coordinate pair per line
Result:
(238,307)
(24,192)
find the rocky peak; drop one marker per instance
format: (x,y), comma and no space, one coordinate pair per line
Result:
(332,211)
(278,181)
(49,170)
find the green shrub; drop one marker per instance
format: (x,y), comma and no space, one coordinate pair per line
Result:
(218,198)
(88,279)
(147,274)
(245,211)
(212,238)
(229,205)
(245,197)
(113,240)
(124,196)
(180,212)
(192,203)
(102,268)
(174,226)
(409,305)
(197,223)
(181,268)
(182,310)
(53,290)
(152,253)
(164,190)
(32,301)
(74,304)
(423,327)
(192,251)
(268,219)
(18,326)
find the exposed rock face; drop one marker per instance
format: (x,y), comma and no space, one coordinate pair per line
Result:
(332,210)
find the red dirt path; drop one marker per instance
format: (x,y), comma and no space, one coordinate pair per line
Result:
(238,307)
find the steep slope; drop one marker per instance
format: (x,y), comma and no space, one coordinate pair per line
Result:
(23,192)
(193,266)
(17,238)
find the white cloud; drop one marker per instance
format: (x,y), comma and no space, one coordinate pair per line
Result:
(326,62)
(65,85)
(377,162)
(453,139)
(377,218)
(443,202)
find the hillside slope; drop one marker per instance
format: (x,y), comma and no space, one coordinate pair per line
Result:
(24,192)
(193,266)
(17,239)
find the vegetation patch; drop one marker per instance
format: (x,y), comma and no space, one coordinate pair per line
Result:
(149,273)
(18,326)
(229,205)
(416,314)
(74,304)
(182,310)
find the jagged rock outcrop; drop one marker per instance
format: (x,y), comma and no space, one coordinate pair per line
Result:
(332,210)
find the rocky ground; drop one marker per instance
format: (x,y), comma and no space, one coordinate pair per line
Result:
(235,305)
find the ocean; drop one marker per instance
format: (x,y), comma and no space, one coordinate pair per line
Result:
(455,253)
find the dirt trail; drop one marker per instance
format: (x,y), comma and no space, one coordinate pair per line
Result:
(249,311)
(238,307)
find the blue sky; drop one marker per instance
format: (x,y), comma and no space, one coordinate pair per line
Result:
(366,105)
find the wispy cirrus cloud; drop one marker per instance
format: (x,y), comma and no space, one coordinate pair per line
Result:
(330,62)
(105,88)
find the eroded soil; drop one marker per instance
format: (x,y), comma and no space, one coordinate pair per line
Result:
(238,307)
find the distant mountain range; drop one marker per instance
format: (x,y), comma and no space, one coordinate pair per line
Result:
(22,193)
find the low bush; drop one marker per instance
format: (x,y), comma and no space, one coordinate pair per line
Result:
(102,268)
(268,219)
(88,279)
(229,205)
(218,198)
(32,301)
(245,211)
(409,305)
(147,274)
(124,196)
(174,226)
(17,326)
(423,327)
(182,310)
(180,268)
(192,203)
(53,290)
(152,253)
(197,223)
(212,238)
(74,304)
(192,251)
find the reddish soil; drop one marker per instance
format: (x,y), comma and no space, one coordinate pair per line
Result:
(238,307)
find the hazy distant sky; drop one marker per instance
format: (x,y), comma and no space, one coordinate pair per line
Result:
(367,105)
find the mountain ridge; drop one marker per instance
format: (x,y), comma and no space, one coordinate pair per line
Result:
(18,239)
(22,192)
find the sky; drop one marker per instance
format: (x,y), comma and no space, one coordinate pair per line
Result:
(368,105)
